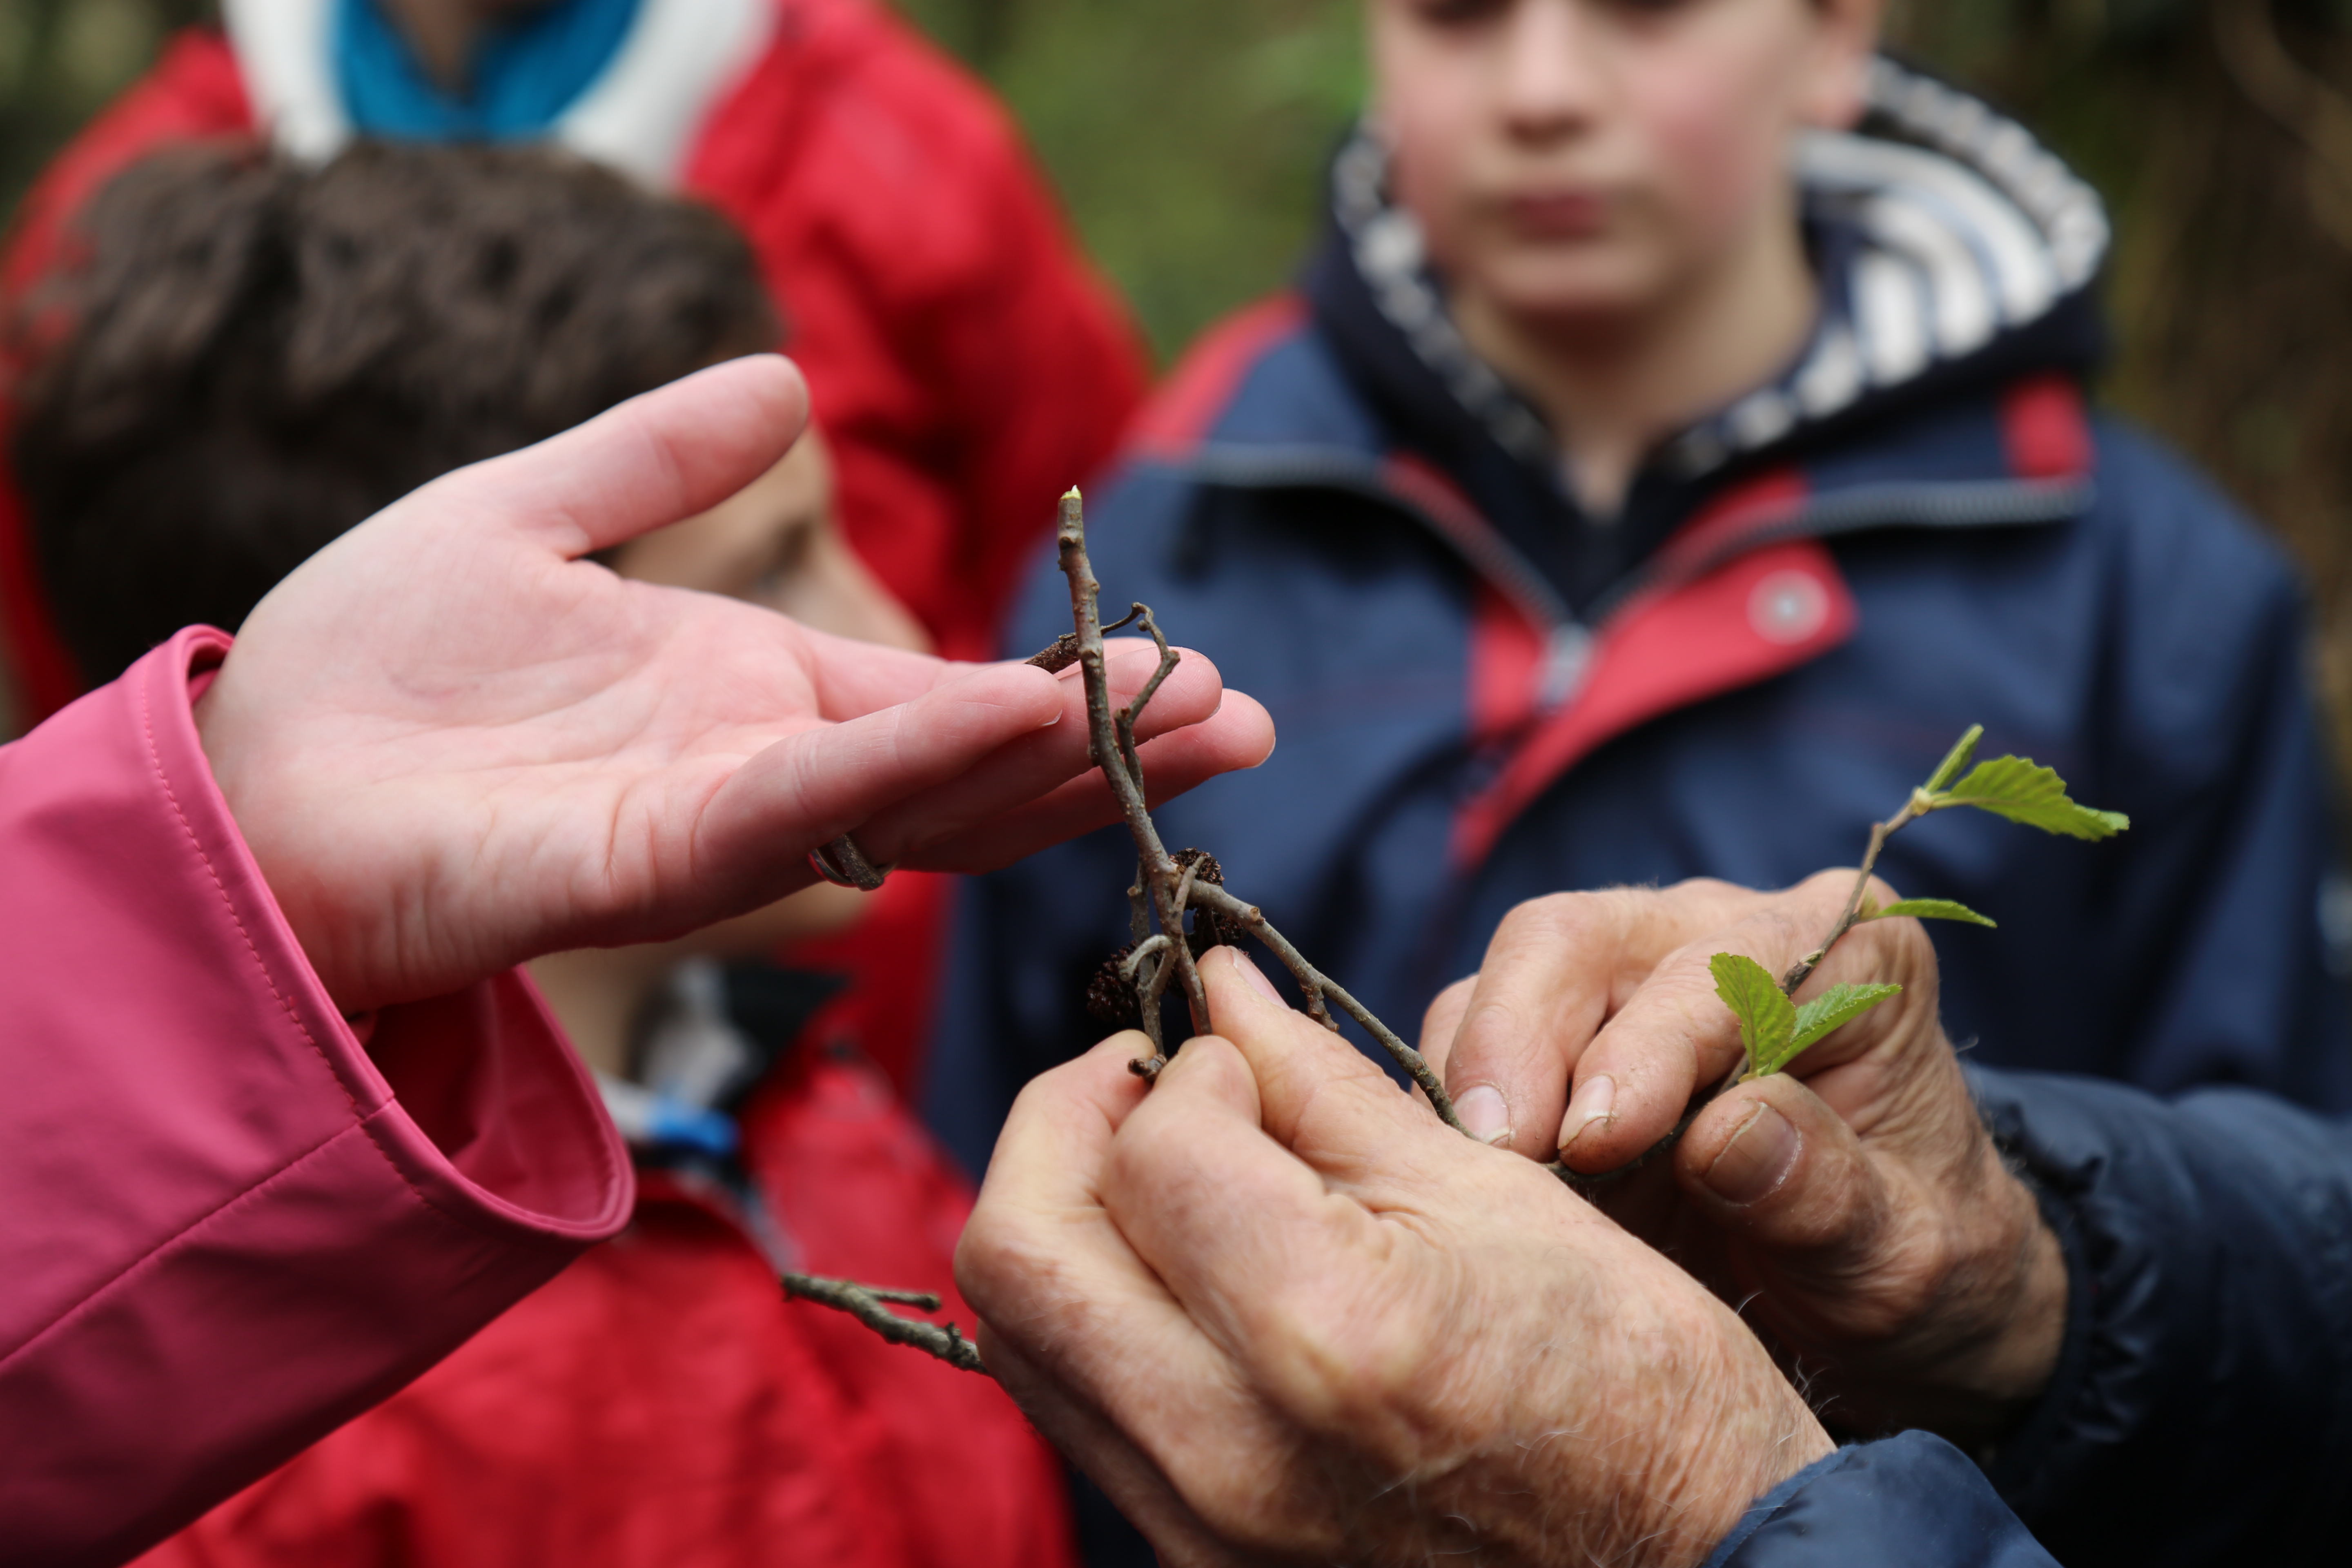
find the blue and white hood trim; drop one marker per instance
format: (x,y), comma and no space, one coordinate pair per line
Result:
(1948,227)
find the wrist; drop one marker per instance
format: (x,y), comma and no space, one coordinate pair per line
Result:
(1743,1430)
(2003,1349)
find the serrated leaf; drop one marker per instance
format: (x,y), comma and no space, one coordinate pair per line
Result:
(1926,910)
(1955,760)
(1814,1020)
(1767,1018)
(2023,791)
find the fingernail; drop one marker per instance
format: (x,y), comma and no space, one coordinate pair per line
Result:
(1257,982)
(1483,1112)
(1757,1160)
(1594,1101)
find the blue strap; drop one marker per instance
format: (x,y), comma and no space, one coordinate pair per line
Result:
(524,74)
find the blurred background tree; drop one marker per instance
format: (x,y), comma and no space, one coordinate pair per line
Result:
(1189,136)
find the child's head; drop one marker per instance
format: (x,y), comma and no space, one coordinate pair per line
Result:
(1588,158)
(255,355)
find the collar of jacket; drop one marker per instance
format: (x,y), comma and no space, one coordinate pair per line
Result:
(1953,254)
(1744,588)
(640,113)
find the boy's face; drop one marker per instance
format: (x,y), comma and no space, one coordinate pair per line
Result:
(1585,159)
(775,543)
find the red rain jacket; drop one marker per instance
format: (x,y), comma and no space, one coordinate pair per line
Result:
(660,1406)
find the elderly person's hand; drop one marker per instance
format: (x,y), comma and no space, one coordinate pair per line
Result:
(454,743)
(1280,1311)
(1853,1205)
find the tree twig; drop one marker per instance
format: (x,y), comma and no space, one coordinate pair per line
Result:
(870,1305)
(1880,832)
(1317,984)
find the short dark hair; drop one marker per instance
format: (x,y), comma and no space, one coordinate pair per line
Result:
(249,355)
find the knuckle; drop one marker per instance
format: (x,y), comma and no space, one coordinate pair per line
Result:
(1554,918)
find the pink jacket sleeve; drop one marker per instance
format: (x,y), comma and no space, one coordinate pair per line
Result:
(226,1227)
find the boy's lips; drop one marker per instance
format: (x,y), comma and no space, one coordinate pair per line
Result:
(1558,214)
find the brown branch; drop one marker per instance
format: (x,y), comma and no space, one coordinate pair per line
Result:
(1320,986)
(1110,741)
(1880,832)
(870,1304)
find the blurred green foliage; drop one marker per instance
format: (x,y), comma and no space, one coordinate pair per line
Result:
(1187,136)
(61,61)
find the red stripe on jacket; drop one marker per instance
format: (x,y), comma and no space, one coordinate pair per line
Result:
(1180,414)
(1762,612)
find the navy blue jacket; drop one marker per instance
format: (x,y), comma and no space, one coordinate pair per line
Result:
(2202,1408)
(1484,695)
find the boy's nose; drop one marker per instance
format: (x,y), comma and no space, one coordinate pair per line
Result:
(1554,75)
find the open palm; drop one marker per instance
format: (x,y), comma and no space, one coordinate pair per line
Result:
(453,743)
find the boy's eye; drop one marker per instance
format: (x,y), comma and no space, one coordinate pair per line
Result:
(790,560)
(1459,13)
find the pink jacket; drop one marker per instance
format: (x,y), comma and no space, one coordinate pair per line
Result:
(227,1227)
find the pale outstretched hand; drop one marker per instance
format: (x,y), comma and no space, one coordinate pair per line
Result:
(453,744)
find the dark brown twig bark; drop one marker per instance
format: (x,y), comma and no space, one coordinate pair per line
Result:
(1110,741)
(870,1305)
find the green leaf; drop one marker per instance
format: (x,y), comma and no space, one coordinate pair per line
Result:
(2017,788)
(1838,1005)
(1926,910)
(1766,1017)
(1955,760)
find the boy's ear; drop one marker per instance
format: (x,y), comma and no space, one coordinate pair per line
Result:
(1843,47)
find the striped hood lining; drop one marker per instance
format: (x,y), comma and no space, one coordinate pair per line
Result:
(1950,226)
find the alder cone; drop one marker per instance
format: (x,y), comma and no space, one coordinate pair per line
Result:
(1111,995)
(1209,930)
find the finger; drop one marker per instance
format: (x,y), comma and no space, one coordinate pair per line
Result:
(1051,1275)
(659,458)
(1239,735)
(1438,1025)
(1042,760)
(1556,969)
(1770,1164)
(853,678)
(1265,1259)
(1319,1096)
(1676,1036)
(753,837)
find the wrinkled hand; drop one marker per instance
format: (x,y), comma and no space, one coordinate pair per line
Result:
(1854,1203)
(1280,1311)
(454,745)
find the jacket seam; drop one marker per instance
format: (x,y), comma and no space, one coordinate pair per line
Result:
(362,1119)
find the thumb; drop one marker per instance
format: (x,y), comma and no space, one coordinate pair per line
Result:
(1772,1165)
(657,458)
(1318,1096)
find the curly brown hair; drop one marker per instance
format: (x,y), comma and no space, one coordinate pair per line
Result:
(250,355)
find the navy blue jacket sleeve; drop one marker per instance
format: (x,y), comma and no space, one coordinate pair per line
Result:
(1913,1500)
(2202,1412)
